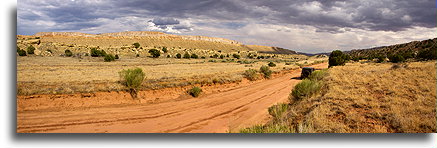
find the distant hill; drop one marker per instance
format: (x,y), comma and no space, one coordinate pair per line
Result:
(409,49)
(121,42)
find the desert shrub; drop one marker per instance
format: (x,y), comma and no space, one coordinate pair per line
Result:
(194,56)
(164,49)
(337,58)
(155,53)
(97,53)
(68,53)
(117,57)
(138,55)
(278,110)
(178,55)
(318,75)
(136,45)
(396,58)
(427,54)
(271,64)
(215,56)
(380,59)
(265,70)
(222,56)
(203,57)
(21,52)
(132,80)
(305,89)
(109,58)
(288,63)
(237,56)
(251,74)
(168,56)
(186,55)
(195,91)
(30,50)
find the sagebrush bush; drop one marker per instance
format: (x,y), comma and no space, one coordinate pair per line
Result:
(132,80)
(278,110)
(195,91)
(271,64)
(305,89)
(318,75)
(164,49)
(109,58)
(265,70)
(251,74)
(117,57)
(30,50)
(97,53)
(178,55)
(68,53)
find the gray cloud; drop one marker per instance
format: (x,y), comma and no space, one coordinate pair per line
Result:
(190,16)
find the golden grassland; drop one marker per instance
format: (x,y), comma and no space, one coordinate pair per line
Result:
(55,75)
(365,98)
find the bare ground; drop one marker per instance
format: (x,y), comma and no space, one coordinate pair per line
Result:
(222,109)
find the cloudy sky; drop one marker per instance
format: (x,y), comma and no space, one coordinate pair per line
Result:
(301,25)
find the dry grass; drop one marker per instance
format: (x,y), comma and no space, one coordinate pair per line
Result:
(54,75)
(369,98)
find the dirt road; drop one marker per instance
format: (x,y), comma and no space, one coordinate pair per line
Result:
(225,111)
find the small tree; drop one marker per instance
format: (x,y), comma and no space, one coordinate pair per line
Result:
(164,49)
(237,56)
(136,45)
(194,56)
(178,55)
(337,58)
(155,53)
(30,50)
(266,71)
(68,53)
(186,55)
(132,79)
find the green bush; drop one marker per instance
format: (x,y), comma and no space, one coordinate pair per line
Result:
(97,53)
(271,64)
(117,57)
(222,56)
(337,58)
(427,54)
(195,91)
(30,50)
(186,55)
(109,58)
(237,56)
(194,56)
(155,53)
(278,110)
(136,45)
(265,70)
(396,58)
(132,80)
(164,49)
(178,55)
(215,56)
(68,53)
(251,74)
(380,59)
(318,75)
(305,89)
(21,52)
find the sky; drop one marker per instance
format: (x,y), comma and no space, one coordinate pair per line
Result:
(310,26)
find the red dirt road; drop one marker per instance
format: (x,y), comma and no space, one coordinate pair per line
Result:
(215,112)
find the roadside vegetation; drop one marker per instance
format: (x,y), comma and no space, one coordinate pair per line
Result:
(132,80)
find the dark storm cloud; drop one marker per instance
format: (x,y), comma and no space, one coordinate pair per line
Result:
(326,15)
